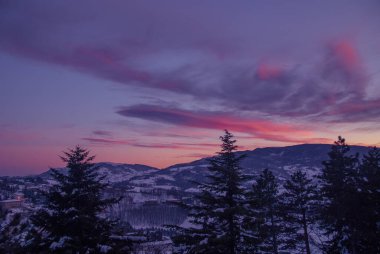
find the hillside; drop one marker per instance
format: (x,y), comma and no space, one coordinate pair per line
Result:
(149,192)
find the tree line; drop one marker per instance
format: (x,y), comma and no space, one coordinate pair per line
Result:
(341,205)
(73,218)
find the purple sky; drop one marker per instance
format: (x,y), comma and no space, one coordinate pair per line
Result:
(156,82)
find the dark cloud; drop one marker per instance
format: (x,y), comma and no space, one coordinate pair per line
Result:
(178,145)
(243,65)
(173,145)
(259,128)
(102,133)
(192,51)
(107,141)
(356,111)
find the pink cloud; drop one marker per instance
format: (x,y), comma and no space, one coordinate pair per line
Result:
(265,71)
(263,129)
(185,146)
(346,54)
(102,133)
(107,141)
(174,145)
(355,111)
(271,90)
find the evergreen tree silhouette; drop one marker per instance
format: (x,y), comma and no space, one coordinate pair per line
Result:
(370,196)
(340,208)
(264,214)
(71,221)
(298,203)
(217,213)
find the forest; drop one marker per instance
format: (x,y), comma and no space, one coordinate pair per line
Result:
(336,211)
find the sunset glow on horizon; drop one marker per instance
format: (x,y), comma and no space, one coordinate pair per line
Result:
(157,82)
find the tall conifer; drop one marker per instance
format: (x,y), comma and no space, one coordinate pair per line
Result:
(298,205)
(264,217)
(71,221)
(340,208)
(216,215)
(370,195)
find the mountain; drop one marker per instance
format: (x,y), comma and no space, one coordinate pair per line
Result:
(114,172)
(281,160)
(148,192)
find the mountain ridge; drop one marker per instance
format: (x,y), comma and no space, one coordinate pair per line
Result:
(318,151)
(149,192)
(281,160)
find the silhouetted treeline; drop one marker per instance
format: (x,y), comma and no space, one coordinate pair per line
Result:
(71,220)
(337,211)
(334,212)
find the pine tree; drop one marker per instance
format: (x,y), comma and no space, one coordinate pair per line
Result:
(340,209)
(298,203)
(216,216)
(264,214)
(370,195)
(71,221)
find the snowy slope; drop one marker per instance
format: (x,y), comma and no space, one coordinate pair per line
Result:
(149,192)
(115,172)
(281,160)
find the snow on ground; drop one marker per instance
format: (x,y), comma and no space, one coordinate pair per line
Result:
(193,190)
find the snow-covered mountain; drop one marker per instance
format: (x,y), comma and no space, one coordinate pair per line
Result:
(281,160)
(149,192)
(114,172)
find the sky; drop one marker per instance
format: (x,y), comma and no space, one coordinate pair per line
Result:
(157,82)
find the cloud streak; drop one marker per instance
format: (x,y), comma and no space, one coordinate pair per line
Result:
(173,145)
(273,71)
(262,129)
(104,141)
(102,133)
(169,53)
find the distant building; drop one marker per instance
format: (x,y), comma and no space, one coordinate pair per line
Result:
(5,205)
(19,196)
(18,202)
(157,247)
